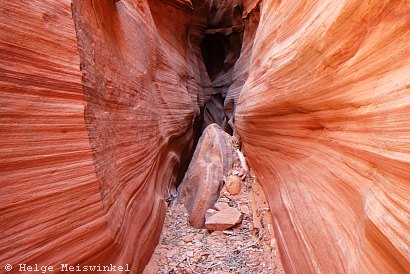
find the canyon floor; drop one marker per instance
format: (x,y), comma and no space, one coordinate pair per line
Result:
(249,247)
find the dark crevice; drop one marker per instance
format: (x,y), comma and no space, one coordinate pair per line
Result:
(220,47)
(215,48)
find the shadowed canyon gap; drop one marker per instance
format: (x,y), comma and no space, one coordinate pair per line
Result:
(102,102)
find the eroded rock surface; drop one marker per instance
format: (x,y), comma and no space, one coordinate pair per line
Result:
(324,120)
(99,102)
(204,179)
(49,192)
(100,106)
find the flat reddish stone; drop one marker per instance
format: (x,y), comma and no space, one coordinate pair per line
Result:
(245,209)
(224,219)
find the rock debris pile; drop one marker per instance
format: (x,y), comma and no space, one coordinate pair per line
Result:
(238,237)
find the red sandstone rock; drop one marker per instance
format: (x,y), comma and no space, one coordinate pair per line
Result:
(225,32)
(188,238)
(87,154)
(324,120)
(203,180)
(245,209)
(224,219)
(241,69)
(233,184)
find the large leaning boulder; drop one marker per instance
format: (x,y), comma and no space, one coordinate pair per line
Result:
(204,179)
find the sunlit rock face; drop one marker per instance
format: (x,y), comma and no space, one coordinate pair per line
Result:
(99,102)
(240,71)
(324,119)
(50,209)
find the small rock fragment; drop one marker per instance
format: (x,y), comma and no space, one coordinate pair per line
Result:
(233,184)
(218,234)
(188,238)
(245,210)
(171,253)
(224,219)
(190,253)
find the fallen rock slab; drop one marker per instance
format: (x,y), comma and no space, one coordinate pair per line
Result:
(224,219)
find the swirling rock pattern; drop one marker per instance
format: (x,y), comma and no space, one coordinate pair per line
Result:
(98,107)
(324,120)
(50,210)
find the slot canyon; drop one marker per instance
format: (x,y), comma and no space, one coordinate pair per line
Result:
(103,102)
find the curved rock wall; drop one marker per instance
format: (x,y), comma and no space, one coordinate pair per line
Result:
(221,48)
(324,119)
(98,107)
(240,71)
(99,103)
(50,210)
(142,102)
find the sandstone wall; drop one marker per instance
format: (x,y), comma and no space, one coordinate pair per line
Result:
(50,209)
(324,117)
(98,107)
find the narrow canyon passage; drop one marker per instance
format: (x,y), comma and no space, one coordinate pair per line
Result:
(104,106)
(219,220)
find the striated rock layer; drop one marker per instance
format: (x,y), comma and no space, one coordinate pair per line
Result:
(50,209)
(324,120)
(99,105)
